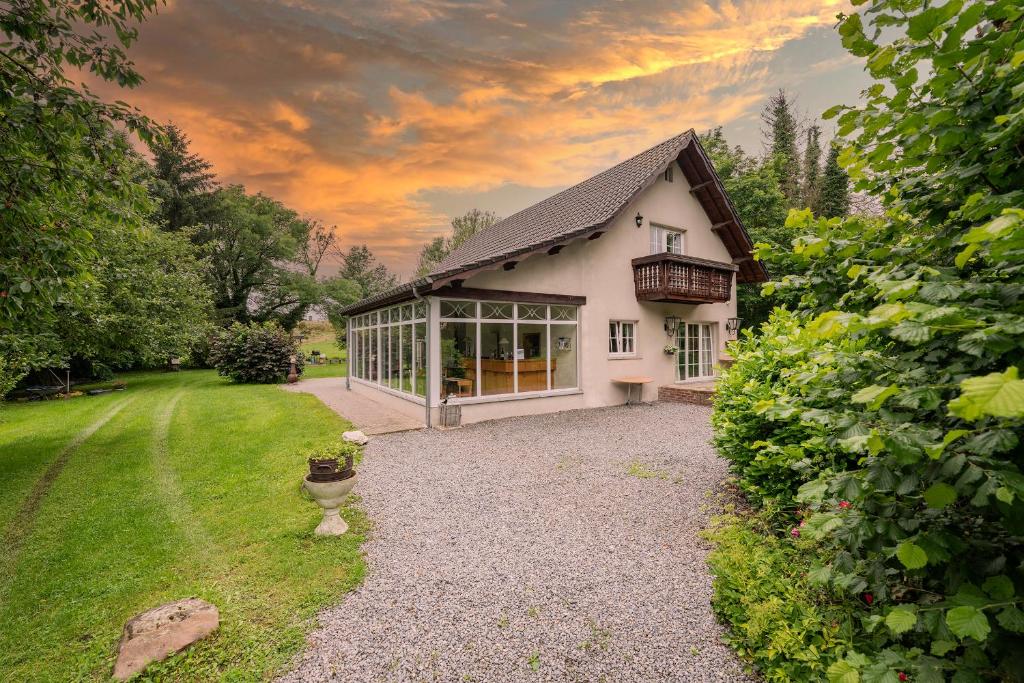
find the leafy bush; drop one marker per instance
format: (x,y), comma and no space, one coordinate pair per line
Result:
(254,353)
(929,520)
(773,445)
(787,627)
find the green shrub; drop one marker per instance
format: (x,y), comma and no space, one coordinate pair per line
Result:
(765,424)
(254,353)
(787,627)
(338,450)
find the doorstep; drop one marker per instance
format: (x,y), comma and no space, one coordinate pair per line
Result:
(697,393)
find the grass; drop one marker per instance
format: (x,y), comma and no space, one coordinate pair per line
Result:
(183,485)
(320,337)
(641,471)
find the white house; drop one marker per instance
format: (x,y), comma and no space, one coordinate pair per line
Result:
(547,308)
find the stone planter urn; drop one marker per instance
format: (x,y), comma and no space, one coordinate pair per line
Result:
(329,484)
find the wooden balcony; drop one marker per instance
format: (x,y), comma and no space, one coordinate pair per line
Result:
(673,278)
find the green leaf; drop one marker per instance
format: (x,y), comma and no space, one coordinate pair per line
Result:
(842,672)
(812,491)
(941,647)
(911,555)
(875,395)
(1004,494)
(939,495)
(999,587)
(968,622)
(964,256)
(901,619)
(1012,619)
(996,394)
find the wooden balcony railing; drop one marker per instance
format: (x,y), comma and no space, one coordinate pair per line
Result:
(682,279)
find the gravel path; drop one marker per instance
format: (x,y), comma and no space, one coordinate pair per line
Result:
(557,547)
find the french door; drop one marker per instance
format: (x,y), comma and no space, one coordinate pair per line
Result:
(696,357)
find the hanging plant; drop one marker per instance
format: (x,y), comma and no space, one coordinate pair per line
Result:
(670,349)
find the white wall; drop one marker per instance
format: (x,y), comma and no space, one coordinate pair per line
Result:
(601,271)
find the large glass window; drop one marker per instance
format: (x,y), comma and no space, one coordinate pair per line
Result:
(395,365)
(420,359)
(563,357)
(532,357)
(458,359)
(517,347)
(389,347)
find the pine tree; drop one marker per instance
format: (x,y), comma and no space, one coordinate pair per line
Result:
(782,134)
(834,197)
(183,180)
(812,167)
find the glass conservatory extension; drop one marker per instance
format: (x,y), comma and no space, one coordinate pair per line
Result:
(388,347)
(488,350)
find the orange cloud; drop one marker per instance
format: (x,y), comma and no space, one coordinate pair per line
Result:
(351,114)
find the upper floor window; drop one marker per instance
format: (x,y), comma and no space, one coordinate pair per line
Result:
(622,337)
(667,240)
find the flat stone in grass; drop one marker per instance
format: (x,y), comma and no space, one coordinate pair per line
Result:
(160,632)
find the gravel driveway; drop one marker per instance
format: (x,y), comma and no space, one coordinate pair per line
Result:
(554,547)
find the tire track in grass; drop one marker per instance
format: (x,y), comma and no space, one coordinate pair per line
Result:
(24,519)
(168,484)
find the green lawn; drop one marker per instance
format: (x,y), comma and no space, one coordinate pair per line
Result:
(183,485)
(328,346)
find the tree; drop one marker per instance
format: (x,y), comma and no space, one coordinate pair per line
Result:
(834,196)
(360,266)
(812,167)
(61,158)
(754,189)
(778,114)
(260,263)
(148,302)
(182,180)
(463,227)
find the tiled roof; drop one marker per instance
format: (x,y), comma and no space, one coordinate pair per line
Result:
(589,204)
(585,208)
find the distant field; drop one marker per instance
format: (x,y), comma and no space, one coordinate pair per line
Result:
(320,337)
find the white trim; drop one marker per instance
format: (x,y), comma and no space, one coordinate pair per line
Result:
(496,398)
(618,355)
(388,390)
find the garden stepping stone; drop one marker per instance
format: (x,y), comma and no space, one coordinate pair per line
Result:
(160,632)
(356,437)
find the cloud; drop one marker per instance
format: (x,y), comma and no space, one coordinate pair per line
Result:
(352,112)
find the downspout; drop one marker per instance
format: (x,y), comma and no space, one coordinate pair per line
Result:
(348,352)
(426,353)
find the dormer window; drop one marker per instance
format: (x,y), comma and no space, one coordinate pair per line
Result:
(667,240)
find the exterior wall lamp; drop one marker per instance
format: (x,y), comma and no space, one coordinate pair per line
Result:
(732,325)
(639,220)
(671,325)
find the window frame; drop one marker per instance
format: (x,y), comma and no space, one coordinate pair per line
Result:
(704,356)
(618,337)
(373,360)
(658,239)
(547,322)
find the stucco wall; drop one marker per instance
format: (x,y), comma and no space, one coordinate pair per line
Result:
(601,270)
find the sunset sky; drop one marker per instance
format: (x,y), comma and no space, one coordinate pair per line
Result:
(388,117)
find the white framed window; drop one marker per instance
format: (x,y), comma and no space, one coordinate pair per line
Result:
(696,356)
(667,240)
(622,338)
(502,349)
